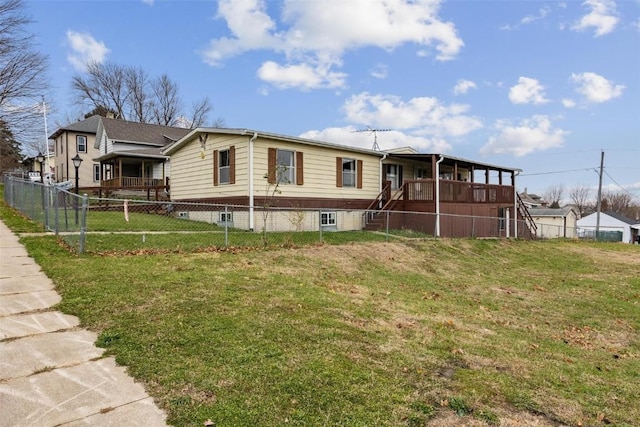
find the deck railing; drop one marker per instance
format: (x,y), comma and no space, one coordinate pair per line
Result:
(457,191)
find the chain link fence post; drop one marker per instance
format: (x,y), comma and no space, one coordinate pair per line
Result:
(83,223)
(320,224)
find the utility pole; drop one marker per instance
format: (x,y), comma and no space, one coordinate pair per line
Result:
(599,201)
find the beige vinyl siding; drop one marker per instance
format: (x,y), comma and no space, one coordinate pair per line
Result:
(192,176)
(319,172)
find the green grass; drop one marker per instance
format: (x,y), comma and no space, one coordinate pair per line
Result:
(369,333)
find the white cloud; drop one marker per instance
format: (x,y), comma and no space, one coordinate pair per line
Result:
(527,91)
(85,49)
(380,71)
(602,17)
(386,140)
(543,12)
(534,134)
(421,115)
(463,87)
(302,76)
(568,103)
(321,32)
(595,88)
(149,2)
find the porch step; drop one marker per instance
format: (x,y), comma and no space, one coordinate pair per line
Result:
(375,224)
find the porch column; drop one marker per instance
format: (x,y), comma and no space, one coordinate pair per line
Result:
(473,173)
(500,177)
(486,176)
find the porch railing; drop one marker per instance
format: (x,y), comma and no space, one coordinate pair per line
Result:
(130,181)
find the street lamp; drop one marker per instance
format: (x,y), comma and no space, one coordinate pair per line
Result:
(77,160)
(40,159)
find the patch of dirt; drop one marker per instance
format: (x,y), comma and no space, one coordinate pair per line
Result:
(589,338)
(507,419)
(612,256)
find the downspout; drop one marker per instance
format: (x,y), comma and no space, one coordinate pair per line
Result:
(251,195)
(515,205)
(438,195)
(380,171)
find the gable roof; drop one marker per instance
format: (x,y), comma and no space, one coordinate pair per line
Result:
(141,133)
(89,125)
(620,217)
(561,212)
(248,132)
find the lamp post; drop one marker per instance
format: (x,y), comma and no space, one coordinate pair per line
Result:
(40,160)
(77,160)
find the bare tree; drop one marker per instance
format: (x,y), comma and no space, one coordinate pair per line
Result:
(553,195)
(132,94)
(199,112)
(137,81)
(580,196)
(617,202)
(104,85)
(22,73)
(166,106)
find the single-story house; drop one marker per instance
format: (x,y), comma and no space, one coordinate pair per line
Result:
(613,225)
(257,169)
(553,223)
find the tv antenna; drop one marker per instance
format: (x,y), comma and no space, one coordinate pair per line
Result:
(375,135)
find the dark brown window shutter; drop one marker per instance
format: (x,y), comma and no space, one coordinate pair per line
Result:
(232,164)
(299,168)
(338,171)
(215,167)
(359,173)
(271,166)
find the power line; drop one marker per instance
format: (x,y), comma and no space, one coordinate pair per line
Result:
(555,172)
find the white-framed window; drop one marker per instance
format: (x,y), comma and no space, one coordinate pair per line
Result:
(81,143)
(226,217)
(285,166)
(349,172)
(421,173)
(224,168)
(392,176)
(328,219)
(96,172)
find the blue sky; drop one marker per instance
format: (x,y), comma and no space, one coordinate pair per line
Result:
(540,86)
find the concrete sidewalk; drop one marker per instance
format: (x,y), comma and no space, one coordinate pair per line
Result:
(51,374)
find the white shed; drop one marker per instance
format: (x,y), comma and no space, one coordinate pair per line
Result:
(609,222)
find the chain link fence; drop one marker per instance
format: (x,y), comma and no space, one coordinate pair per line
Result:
(100,225)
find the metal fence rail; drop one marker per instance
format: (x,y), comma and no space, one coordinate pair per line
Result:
(92,224)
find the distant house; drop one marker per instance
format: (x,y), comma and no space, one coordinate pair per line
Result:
(613,226)
(129,154)
(77,138)
(554,223)
(240,167)
(116,154)
(531,200)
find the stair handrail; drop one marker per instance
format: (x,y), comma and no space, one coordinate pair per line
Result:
(531,224)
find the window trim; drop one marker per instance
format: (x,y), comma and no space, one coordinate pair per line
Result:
(331,219)
(222,167)
(86,143)
(96,172)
